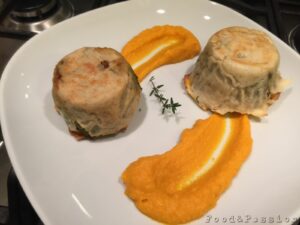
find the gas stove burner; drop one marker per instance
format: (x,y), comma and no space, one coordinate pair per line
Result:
(37,15)
(33,10)
(294,38)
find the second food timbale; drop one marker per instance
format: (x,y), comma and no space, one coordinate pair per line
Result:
(237,72)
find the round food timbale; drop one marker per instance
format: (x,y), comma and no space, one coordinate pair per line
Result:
(96,91)
(237,72)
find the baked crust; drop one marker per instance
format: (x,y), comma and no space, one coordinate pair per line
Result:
(237,72)
(96,91)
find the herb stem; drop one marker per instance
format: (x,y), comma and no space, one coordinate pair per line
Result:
(167,104)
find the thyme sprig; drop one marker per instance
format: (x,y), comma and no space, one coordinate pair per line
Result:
(167,104)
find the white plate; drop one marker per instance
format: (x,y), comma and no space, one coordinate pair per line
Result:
(78,183)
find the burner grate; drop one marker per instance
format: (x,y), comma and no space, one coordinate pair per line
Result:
(30,18)
(281,17)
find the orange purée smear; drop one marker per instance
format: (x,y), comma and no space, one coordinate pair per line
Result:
(172,43)
(164,186)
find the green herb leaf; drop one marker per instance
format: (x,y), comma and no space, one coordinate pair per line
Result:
(166,103)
